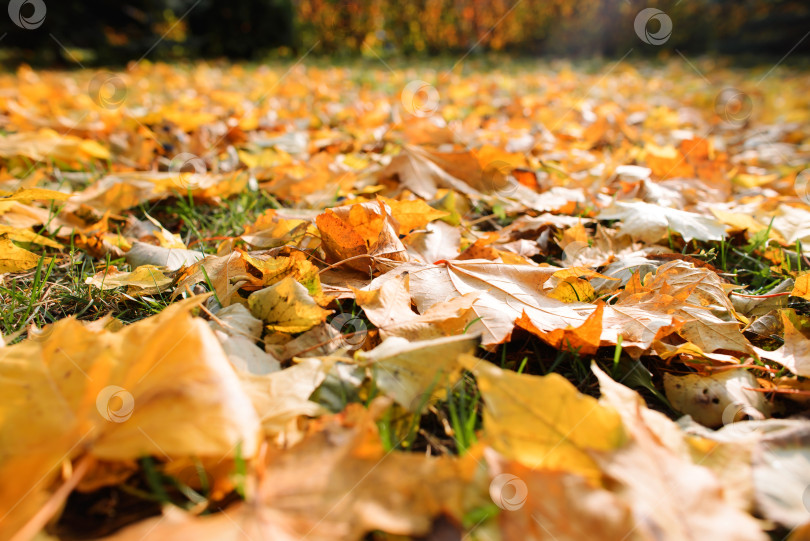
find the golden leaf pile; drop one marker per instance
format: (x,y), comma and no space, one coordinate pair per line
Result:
(272,303)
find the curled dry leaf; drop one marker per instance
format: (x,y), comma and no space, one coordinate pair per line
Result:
(718,399)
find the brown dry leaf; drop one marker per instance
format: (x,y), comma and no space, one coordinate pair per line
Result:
(341,241)
(86,390)
(363,229)
(505,293)
(424,171)
(226,273)
(697,297)
(265,272)
(389,309)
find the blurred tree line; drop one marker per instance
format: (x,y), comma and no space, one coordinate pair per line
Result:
(104,32)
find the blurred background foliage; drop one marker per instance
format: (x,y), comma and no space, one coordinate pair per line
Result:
(102,32)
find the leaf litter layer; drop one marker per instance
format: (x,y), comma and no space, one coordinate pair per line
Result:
(300,302)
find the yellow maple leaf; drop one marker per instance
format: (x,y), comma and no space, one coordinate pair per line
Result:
(287,307)
(543,421)
(15,259)
(412,214)
(162,386)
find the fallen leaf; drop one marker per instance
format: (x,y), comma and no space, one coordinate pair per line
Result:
(718,399)
(649,223)
(142,254)
(15,259)
(585,339)
(407,370)
(143,278)
(670,497)
(287,306)
(82,390)
(338,483)
(505,293)
(559,432)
